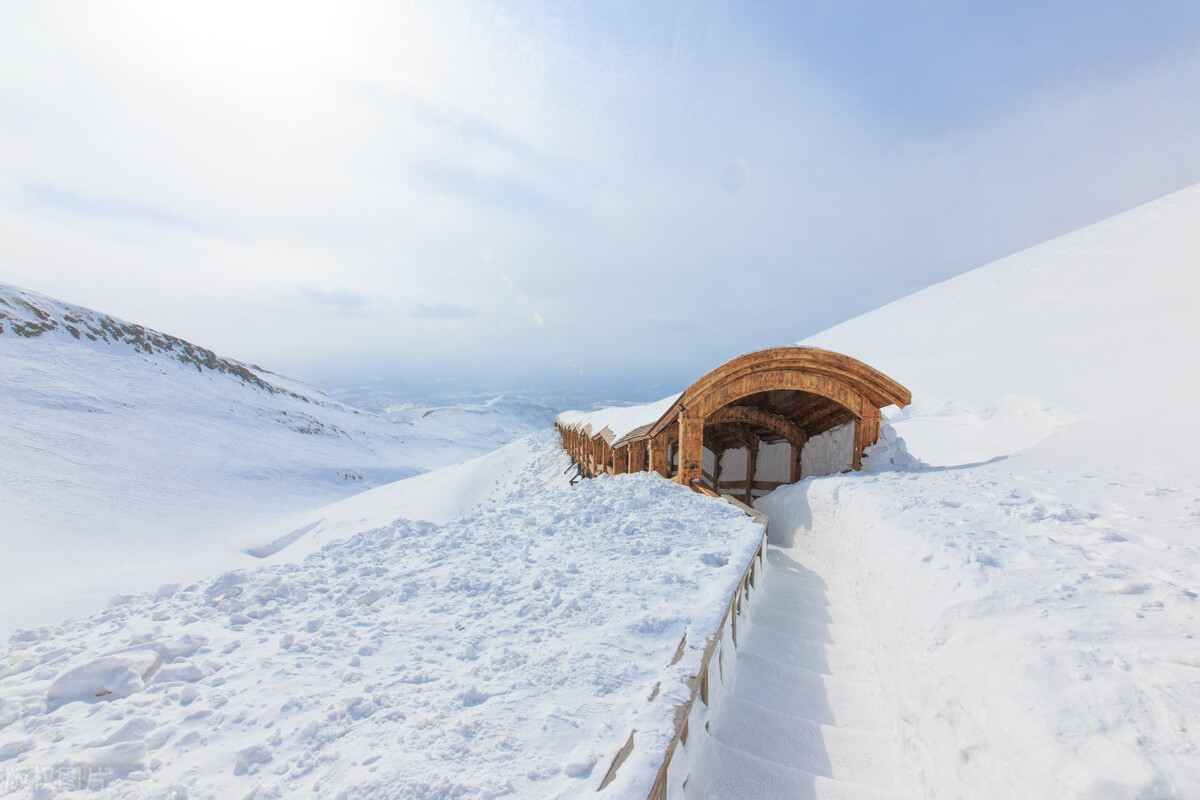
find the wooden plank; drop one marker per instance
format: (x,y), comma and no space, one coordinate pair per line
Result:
(622,754)
(766,486)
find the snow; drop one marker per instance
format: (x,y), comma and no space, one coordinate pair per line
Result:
(437,496)
(620,420)
(1028,571)
(1003,605)
(500,419)
(506,652)
(123,467)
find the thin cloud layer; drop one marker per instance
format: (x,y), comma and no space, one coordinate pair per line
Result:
(604,192)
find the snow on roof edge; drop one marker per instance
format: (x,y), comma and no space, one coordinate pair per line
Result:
(621,420)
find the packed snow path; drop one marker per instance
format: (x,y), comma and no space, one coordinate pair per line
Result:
(804,718)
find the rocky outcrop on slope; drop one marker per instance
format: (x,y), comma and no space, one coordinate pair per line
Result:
(32,315)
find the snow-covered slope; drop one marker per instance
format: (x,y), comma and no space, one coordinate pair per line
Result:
(438,496)
(455,425)
(505,653)
(129,457)
(1033,590)
(1026,582)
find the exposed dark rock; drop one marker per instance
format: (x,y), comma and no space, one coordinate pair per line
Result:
(96,327)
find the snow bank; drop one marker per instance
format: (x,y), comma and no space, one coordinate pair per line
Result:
(508,652)
(529,464)
(1031,586)
(1032,643)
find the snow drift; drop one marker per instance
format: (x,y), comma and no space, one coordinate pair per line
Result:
(1032,585)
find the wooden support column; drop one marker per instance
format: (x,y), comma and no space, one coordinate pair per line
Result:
(871,421)
(637,456)
(797,444)
(856,455)
(691,448)
(717,453)
(751,465)
(659,451)
(866,431)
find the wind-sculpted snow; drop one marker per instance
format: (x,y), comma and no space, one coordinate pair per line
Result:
(508,652)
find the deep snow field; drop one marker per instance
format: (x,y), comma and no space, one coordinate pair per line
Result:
(133,458)
(1023,552)
(1034,615)
(487,656)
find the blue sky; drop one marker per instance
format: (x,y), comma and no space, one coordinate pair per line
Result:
(609,197)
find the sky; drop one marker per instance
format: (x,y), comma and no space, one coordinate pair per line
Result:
(610,197)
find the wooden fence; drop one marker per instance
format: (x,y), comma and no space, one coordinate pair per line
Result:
(715,674)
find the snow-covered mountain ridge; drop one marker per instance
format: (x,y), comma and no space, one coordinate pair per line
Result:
(31,315)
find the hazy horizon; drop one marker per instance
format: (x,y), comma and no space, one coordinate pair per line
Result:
(580,199)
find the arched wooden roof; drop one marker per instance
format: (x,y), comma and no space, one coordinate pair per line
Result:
(782,394)
(840,378)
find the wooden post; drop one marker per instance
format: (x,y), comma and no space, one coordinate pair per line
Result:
(866,430)
(691,448)
(859,445)
(658,456)
(637,456)
(751,465)
(871,421)
(797,451)
(717,453)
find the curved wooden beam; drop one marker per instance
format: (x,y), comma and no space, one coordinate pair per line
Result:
(749,415)
(840,378)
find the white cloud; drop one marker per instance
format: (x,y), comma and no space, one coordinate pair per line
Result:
(293,182)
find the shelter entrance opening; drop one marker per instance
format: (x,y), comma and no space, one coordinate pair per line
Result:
(760,421)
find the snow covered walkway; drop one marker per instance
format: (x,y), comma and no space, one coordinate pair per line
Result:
(805,718)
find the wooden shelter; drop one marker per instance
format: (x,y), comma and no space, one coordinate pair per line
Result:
(767,398)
